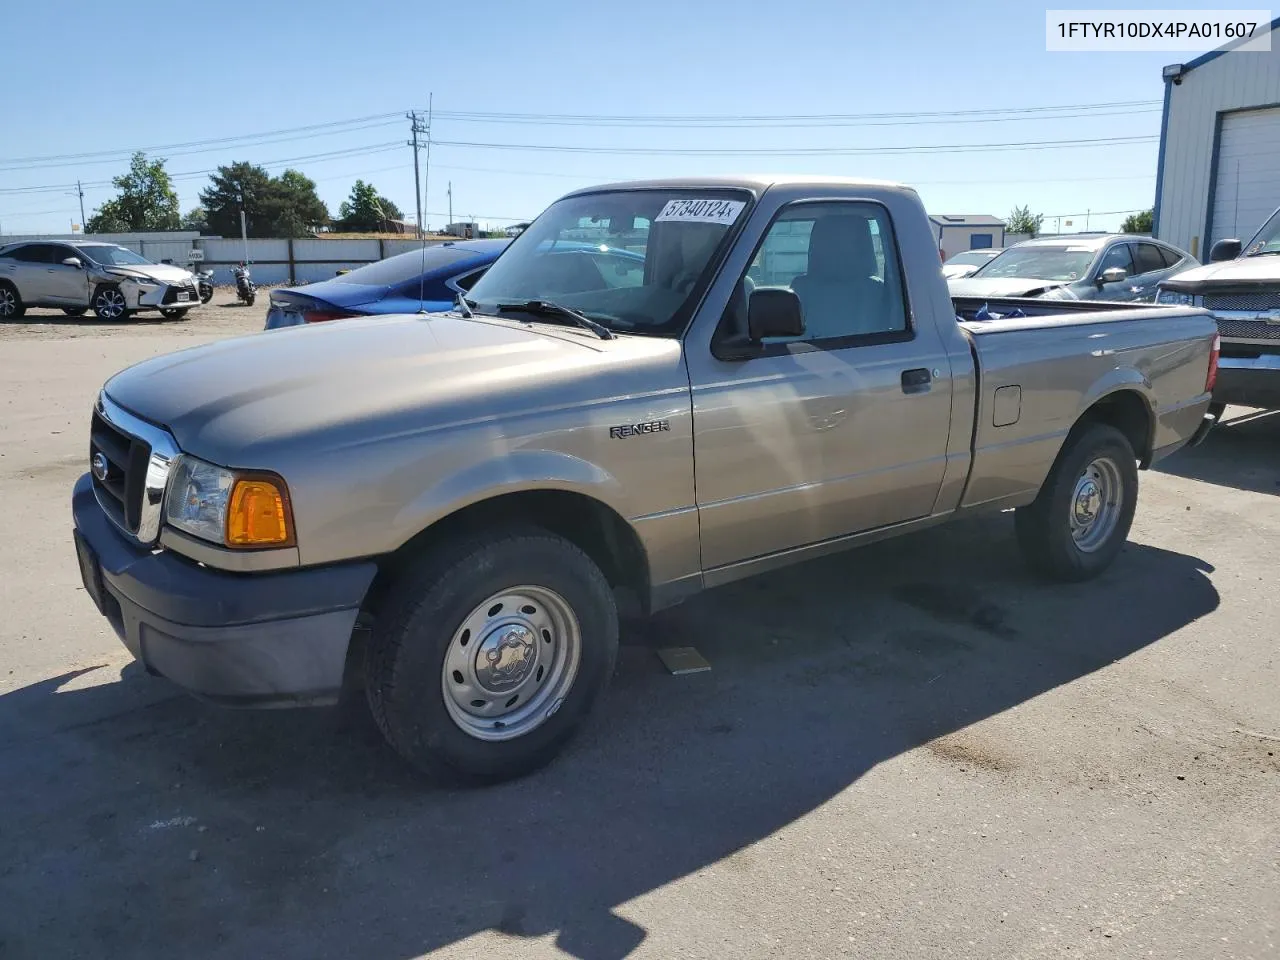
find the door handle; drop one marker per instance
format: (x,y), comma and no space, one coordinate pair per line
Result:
(916,381)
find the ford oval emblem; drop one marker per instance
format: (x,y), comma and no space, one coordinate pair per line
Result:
(99,466)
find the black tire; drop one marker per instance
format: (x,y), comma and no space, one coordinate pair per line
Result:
(174,313)
(11,305)
(108,303)
(1045,527)
(74,311)
(414,630)
(248,298)
(206,292)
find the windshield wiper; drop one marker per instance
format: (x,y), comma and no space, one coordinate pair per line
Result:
(464,307)
(1264,253)
(549,308)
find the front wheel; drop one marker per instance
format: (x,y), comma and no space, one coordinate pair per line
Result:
(1076,526)
(109,304)
(11,305)
(487,655)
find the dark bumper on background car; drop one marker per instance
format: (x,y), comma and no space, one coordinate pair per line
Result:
(264,639)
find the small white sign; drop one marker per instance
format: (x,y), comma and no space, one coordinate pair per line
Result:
(195,256)
(701,211)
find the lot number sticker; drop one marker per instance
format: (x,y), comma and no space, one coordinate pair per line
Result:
(701,211)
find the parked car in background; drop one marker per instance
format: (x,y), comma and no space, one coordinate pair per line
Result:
(112,280)
(1240,286)
(432,280)
(1087,267)
(963,264)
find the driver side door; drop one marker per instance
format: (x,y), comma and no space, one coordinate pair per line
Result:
(68,286)
(1117,255)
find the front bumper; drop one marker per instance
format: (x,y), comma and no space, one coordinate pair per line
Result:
(265,639)
(164,296)
(1249,381)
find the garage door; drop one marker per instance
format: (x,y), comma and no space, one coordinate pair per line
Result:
(1248,185)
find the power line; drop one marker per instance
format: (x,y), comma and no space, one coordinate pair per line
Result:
(808,151)
(730,123)
(216,141)
(705,118)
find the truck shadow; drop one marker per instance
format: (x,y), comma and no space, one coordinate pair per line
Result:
(1242,451)
(141,823)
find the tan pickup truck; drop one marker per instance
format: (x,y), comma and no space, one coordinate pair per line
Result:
(454,505)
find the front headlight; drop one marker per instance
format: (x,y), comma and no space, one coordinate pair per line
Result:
(229,507)
(1174,298)
(141,281)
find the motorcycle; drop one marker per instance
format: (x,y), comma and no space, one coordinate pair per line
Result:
(204,283)
(245,289)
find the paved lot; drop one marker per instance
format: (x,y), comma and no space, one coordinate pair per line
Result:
(910,751)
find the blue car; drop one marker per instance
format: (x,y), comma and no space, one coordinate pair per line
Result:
(407,283)
(400,284)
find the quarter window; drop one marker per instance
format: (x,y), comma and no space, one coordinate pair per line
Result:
(1149,259)
(841,260)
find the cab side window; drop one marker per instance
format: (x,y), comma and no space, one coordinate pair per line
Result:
(841,260)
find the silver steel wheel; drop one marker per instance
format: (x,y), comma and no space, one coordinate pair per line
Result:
(8,302)
(1096,504)
(511,663)
(109,304)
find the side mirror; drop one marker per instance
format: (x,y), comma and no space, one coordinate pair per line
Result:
(1112,275)
(1225,250)
(774,313)
(73,262)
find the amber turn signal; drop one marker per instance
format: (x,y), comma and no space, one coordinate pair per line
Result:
(258,514)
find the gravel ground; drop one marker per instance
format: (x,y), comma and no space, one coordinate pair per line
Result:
(913,750)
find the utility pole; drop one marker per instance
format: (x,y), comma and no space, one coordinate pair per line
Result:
(416,127)
(450,203)
(80,193)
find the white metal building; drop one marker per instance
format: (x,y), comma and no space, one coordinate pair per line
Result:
(958,232)
(1219,169)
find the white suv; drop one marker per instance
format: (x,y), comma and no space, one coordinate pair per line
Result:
(111,279)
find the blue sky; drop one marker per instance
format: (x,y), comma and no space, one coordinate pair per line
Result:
(144,74)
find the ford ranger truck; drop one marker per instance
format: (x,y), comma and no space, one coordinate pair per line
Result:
(453,506)
(1240,286)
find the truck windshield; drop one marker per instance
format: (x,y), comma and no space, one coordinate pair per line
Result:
(1039,263)
(1267,240)
(631,260)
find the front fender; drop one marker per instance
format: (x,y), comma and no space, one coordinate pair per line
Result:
(514,472)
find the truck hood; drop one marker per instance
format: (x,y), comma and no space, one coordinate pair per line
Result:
(241,402)
(1001,287)
(1249,272)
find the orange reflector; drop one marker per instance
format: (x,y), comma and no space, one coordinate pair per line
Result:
(258,514)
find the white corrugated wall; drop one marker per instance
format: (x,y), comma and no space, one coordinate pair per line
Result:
(1234,81)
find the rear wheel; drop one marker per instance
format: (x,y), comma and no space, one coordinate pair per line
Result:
(74,311)
(487,655)
(1077,525)
(109,304)
(11,305)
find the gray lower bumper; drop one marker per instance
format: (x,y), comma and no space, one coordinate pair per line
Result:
(268,639)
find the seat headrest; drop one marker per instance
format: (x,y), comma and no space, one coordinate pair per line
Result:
(840,247)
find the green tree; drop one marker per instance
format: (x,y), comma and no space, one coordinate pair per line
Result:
(297,207)
(365,209)
(194,219)
(1022,220)
(283,206)
(1139,222)
(229,187)
(146,200)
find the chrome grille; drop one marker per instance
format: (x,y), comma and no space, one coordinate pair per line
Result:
(138,457)
(1242,301)
(1248,329)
